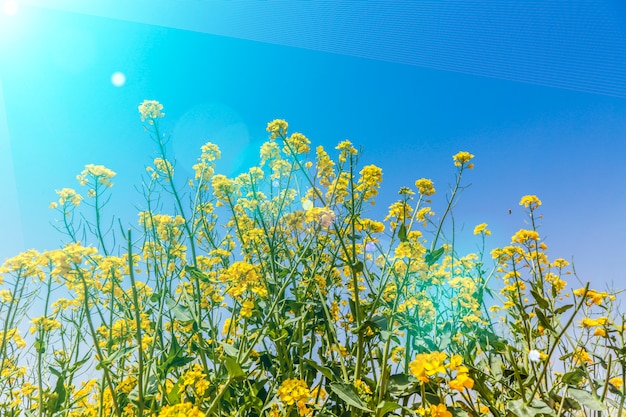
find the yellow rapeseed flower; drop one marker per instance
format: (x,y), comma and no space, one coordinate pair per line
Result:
(369,182)
(181,410)
(600,321)
(150,109)
(523,236)
(295,391)
(69,195)
(593,296)
(439,410)
(461,382)
(425,186)
(617,382)
(277,127)
(482,228)
(298,143)
(346,148)
(560,263)
(44,323)
(582,356)
(100,173)
(530,202)
(462,158)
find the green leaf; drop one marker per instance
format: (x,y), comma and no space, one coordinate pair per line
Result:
(327,372)
(230,350)
(173,395)
(520,409)
(181,312)
(348,393)
(402,233)
(55,371)
(586,399)
(196,273)
(445,340)
(458,412)
(234,369)
(496,366)
(40,346)
(117,355)
(55,402)
(175,358)
(401,385)
(541,302)
(543,320)
(563,309)
(387,407)
(432,257)
(358,266)
(574,377)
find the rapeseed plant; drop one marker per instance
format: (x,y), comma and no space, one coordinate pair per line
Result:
(271,293)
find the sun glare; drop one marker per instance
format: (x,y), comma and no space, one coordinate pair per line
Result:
(118,79)
(10,7)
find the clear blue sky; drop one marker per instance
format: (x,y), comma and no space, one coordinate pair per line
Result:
(536,90)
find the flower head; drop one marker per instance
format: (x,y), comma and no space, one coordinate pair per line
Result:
(150,109)
(425,186)
(101,174)
(277,128)
(463,158)
(530,202)
(482,228)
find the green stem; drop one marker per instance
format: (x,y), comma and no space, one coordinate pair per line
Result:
(140,359)
(104,365)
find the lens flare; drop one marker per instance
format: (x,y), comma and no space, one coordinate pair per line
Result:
(118,79)
(10,7)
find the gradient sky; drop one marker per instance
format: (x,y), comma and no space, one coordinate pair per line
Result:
(536,90)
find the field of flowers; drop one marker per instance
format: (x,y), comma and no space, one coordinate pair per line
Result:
(270,294)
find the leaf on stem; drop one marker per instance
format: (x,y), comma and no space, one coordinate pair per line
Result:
(348,393)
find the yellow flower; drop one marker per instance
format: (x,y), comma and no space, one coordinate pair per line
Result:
(295,391)
(462,158)
(482,228)
(425,186)
(428,364)
(210,152)
(581,356)
(588,322)
(298,143)
(461,382)
(44,324)
(523,236)
(181,410)
(439,410)
(277,127)
(617,382)
(560,263)
(362,388)
(6,296)
(100,173)
(243,277)
(593,296)
(346,148)
(530,202)
(222,186)
(246,308)
(150,109)
(369,182)
(68,194)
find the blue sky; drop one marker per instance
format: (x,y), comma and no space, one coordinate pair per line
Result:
(536,90)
